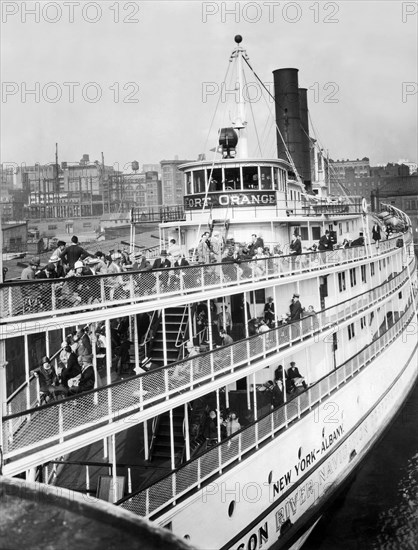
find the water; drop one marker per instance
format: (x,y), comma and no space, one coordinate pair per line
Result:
(379,509)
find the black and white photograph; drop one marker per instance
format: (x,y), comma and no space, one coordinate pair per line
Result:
(224,198)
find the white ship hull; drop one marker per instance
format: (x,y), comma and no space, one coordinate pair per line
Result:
(307,464)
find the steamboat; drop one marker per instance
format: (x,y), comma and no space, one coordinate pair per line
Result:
(262,368)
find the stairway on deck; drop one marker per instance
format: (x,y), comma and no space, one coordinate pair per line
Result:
(161,446)
(175,321)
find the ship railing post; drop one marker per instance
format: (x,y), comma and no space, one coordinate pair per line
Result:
(53,297)
(60,424)
(87,479)
(45,475)
(199,473)
(298,406)
(272,424)
(286,421)
(240,447)
(102,290)
(129,480)
(174,486)
(131,286)
(329,385)
(181,277)
(212,366)
(141,393)
(147,510)
(220,458)
(10,308)
(166,385)
(202,278)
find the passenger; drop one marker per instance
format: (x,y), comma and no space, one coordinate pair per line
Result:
(141,263)
(173,248)
(71,368)
(277,394)
(295,309)
(101,267)
(73,253)
(217,245)
(255,243)
(87,378)
(324,242)
(295,379)
(28,273)
(296,245)
(262,327)
(359,241)
(229,270)
(58,252)
(260,263)
(232,424)
(203,249)
(48,379)
(269,312)
(226,339)
(210,429)
(161,263)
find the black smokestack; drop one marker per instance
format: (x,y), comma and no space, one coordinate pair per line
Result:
(305,172)
(290,111)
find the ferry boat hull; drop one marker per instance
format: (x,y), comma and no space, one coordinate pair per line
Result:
(279,495)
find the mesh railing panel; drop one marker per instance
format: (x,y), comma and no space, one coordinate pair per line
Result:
(81,293)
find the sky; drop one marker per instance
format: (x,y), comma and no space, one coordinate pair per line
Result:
(139,80)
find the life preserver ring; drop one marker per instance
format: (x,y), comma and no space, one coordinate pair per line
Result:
(364,205)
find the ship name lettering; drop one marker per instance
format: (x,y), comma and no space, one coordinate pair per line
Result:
(257,539)
(283,482)
(331,439)
(305,462)
(290,506)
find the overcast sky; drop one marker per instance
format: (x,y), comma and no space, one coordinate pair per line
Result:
(148,62)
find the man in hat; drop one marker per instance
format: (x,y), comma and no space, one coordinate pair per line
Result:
(141,263)
(295,379)
(48,379)
(295,308)
(269,312)
(162,262)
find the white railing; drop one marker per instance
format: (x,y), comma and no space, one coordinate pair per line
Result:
(29,430)
(199,470)
(22,300)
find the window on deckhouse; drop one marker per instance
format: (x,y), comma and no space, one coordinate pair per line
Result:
(353,280)
(363,274)
(341,281)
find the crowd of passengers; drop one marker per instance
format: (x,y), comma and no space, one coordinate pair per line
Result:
(72,372)
(74,261)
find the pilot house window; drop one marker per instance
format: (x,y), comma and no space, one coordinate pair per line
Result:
(265,172)
(250,177)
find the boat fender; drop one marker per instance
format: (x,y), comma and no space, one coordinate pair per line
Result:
(364,205)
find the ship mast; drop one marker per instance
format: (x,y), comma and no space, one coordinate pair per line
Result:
(240,122)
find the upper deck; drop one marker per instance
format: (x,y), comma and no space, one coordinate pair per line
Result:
(35,302)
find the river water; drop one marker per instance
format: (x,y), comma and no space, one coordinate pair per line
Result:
(379,509)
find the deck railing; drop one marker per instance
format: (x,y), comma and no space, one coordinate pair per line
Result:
(30,430)
(196,472)
(22,300)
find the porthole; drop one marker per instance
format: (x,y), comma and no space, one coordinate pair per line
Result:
(270,478)
(231,508)
(299,452)
(187,537)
